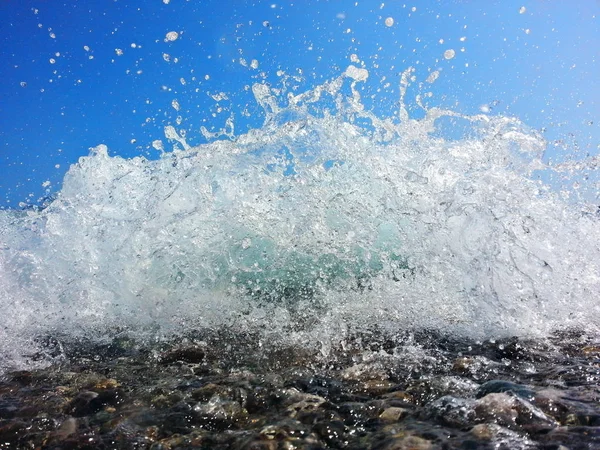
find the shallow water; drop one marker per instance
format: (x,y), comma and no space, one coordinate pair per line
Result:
(374,390)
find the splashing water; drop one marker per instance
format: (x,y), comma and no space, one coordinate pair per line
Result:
(326,219)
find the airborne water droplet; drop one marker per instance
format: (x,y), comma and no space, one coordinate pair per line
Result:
(171,36)
(449,54)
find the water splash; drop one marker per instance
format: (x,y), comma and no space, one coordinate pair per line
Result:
(326,219)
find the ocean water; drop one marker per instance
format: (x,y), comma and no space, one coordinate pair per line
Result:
(325,221)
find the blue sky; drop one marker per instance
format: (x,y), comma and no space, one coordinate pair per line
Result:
(78,74)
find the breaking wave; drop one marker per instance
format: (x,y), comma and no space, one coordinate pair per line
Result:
(324,220)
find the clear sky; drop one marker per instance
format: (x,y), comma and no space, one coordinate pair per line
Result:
(78,74)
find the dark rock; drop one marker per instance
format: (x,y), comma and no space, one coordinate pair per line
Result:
(332,433)
(450,411)
(191,355)
(23,377)
(90,402)
(356,413)
(323,387)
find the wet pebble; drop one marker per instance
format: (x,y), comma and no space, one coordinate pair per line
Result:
(191,354)
(511,412)
(460,398)
(393,414)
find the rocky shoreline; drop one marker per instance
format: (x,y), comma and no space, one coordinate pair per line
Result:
(374,391)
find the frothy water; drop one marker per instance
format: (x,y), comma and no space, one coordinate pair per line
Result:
(325,220)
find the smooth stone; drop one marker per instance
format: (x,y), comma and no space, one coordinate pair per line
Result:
(492,432)
(393,414)
(510,411)
(297,402)
(192,355)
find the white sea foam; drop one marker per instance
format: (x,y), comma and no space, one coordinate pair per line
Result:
(334,220)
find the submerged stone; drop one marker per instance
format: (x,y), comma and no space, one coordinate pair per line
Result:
(393,414)
(134,402)
(451,411)
(495,386)
(511,412)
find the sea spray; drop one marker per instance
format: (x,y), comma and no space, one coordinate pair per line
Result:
(326,219)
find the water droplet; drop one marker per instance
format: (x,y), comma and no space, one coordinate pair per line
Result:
(449,54)
(171,36)
(433,76)
(389,21)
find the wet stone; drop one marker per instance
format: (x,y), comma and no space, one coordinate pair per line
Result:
(192,355)
(393,414)
(90,402)
(332,433)
(511,412)
(450,411)
(300,402)
(496,386)
(219,413)
(448,395)
(21,376)
(430,389)
(356,413)
(66,429)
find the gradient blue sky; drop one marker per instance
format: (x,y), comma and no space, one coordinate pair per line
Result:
(64,88)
